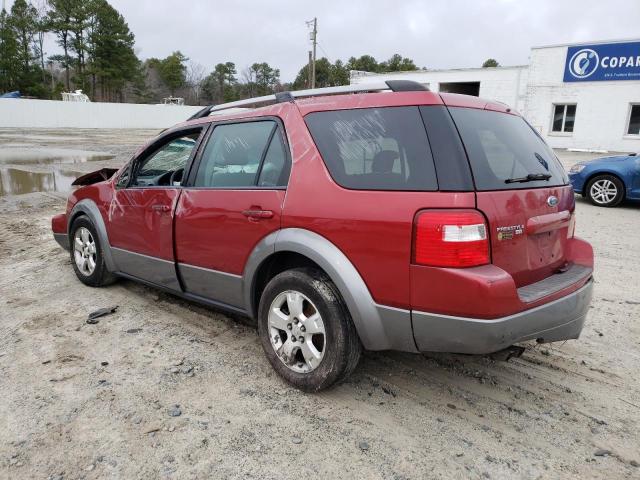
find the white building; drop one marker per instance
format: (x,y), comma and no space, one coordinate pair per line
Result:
(577,96)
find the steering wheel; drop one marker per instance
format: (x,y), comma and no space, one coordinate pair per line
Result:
(176,177)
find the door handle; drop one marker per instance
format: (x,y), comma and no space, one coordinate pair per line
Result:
(160,208)
(257,214)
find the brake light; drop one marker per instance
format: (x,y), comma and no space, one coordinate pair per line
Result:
(451,238)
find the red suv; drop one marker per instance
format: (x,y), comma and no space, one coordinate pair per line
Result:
(402,219)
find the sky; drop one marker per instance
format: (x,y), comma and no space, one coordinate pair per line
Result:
(435,33)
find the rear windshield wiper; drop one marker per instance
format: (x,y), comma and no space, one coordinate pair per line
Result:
(532,177)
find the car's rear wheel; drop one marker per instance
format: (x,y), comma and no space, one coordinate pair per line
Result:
(605,191)
(306,330)
(86,254)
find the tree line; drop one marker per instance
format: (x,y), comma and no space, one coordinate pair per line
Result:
(97,50)
(97,55)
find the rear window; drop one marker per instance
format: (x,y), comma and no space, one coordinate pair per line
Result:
(502,147)
(375,148)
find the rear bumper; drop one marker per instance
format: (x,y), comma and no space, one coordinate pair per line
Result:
(561,319)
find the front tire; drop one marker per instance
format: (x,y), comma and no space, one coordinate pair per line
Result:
(605,191)
(86,254)
(306,330)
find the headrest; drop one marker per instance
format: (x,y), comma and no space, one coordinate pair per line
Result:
(383,161)
(237,155)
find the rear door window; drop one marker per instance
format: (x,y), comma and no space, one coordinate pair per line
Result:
(375,148)
(504,147)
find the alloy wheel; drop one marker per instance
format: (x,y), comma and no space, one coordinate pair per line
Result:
(297,332)
(603,191)
(84,251)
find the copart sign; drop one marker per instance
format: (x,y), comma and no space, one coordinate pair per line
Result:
(603,62)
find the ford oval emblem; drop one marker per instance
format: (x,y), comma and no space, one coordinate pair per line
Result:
(552,201)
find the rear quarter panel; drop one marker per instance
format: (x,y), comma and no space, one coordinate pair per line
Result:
(372,228)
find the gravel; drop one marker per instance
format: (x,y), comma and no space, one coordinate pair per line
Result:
(175,411)
(59,409)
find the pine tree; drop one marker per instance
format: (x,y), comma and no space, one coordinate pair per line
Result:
(113,62)
(172,71)
(60,24)
(219,85)
(80,15)
(9,55)
(24,20)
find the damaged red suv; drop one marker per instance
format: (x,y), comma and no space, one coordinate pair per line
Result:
(403,219)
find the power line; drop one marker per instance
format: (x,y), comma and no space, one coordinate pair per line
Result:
(325,52)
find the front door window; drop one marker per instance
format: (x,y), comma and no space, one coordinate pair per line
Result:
(165,167)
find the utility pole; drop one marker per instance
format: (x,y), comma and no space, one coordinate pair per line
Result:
(314,40)
(309,69)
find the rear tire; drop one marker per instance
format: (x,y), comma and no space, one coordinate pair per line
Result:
(306,331)
(86,254)
(605,191)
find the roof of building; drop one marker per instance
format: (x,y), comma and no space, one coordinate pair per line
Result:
(587,42)
(361,73)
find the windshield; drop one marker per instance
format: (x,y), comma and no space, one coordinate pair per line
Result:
(505,153)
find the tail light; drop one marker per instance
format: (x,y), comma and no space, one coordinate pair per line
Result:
(450,238)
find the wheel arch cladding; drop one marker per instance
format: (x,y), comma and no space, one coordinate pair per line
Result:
(90,209)
(321,252)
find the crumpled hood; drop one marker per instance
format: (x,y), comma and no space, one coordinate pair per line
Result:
(95,177)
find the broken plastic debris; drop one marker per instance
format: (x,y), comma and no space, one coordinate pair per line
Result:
(93,316)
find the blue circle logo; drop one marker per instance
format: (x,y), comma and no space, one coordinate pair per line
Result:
(583,63)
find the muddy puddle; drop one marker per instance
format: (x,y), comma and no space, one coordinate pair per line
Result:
(42,170)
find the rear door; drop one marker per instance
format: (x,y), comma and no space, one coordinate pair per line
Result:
(140,218)
(234,199)
(522,190)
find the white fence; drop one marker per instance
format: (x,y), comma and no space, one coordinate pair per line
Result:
(22,113)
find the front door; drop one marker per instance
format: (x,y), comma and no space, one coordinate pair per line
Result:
(140,217)
(233,200)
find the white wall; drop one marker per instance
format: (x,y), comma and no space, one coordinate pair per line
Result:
(504,84)
(602,110)
(57,114)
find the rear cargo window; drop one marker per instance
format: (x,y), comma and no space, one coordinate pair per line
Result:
(504,149)
(375,148)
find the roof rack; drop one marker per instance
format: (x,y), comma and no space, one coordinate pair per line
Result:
(281,97)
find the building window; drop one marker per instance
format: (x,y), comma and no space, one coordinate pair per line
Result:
(634,120)
(564,116)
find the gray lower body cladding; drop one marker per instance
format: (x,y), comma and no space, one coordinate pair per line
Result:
(561,319)
(157,270)
(62,239)
(380,327)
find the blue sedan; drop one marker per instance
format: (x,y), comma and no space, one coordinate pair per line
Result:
(607,181)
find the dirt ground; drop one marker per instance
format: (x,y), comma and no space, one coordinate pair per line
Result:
(167,389)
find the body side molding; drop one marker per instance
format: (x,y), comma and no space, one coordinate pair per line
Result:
(156,270)
(90,209)
(207,283)
(379,327)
